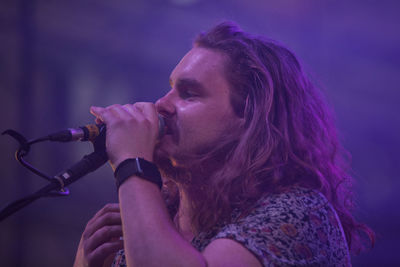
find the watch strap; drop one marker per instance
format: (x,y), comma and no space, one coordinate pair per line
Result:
(137,167)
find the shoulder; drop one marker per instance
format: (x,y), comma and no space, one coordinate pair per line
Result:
(285,205)
(295,226)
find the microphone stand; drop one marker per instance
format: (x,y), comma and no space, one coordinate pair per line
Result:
(57,184)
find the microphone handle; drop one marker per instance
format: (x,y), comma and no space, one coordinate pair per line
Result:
(88,163)
(85,133)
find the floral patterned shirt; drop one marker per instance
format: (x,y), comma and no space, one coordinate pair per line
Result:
(295,228)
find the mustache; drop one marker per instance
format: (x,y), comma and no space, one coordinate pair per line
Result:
(171,128)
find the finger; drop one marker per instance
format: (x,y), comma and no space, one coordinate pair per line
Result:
(118,111)
(108,215)
(108,219)
(103,235)
(98,256)
(109,207)
(134,111)
(109,114)
(96,111)
(149,112)
(148,109)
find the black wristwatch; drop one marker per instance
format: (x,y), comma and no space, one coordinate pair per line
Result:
(138,167)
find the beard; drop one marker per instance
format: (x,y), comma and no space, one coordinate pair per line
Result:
(192,173)
(191,169)
(166,165)
(186,164)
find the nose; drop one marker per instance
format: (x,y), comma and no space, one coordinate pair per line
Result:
(165,105)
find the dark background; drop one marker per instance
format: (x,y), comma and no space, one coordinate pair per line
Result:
(57,58)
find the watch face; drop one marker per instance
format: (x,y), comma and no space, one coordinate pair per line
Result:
(139,163)
(147,169)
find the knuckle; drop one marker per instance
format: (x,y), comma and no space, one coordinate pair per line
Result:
(108,217)
(107,206)
(85,235)
(102,250)
(139,104)
(86,247)
(111,231)
(129,105)
(115,106)
(110,207)
(105,231)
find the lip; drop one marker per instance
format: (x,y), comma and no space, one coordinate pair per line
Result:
(171,130)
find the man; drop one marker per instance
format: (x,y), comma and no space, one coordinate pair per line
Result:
(251,167)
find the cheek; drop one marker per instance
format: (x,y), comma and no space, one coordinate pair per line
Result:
(202,125)
(189,118)
(204,120)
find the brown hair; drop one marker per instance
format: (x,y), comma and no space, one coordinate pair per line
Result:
(288,137)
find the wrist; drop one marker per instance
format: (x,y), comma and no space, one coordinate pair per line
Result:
(137,167)
(116,162)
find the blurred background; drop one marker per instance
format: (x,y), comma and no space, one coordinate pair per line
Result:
(57,58)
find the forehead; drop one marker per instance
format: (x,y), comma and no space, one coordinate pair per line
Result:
(206,66)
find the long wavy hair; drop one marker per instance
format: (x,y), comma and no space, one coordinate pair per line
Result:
(288,137)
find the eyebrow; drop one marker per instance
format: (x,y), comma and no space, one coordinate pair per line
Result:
(186,82)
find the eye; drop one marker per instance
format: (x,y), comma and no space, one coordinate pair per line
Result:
(188,94)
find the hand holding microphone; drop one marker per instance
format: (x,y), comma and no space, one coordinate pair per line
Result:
(132,130)
(129,134)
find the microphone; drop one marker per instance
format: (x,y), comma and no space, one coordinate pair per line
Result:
(90,132)
(93,161)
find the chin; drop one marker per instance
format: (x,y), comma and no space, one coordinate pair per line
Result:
(164,163)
